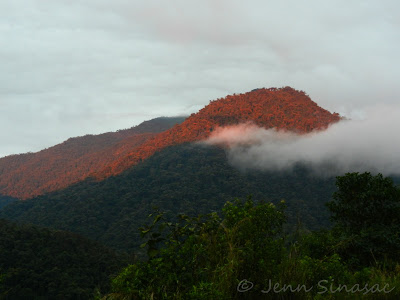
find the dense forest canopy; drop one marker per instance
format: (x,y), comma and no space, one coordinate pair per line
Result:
(244,253)
(38,263)
(186,178)
(237,252)
(4,200)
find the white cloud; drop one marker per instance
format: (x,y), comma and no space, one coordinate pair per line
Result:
(368,144)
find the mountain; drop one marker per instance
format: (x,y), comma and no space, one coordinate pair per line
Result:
(37,263)
(100,156)
(284,108)
(168,171)
(27,175)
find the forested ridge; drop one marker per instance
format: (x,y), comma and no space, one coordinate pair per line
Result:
(27,175)
(186,178)
(283,108)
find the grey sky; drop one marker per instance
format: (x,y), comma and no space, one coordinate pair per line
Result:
(69,68)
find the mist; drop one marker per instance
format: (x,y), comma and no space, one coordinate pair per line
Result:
(370,143)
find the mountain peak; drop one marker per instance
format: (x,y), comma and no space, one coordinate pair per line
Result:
(281,108)
(100,156)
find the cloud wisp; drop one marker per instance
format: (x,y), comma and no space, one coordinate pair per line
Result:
(368,144)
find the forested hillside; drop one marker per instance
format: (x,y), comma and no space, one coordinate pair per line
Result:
(284,108)
(245,253)
(27,175)
(186,178)
(4,200)
(37,263)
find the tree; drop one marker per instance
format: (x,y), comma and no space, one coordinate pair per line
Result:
(205,257)
(366,213)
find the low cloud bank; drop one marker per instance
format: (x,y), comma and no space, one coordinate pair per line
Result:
(369,144)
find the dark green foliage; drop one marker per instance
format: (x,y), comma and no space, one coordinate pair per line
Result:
(202,255)
(206,255)
(243,256)
(187,179)
(256,232)
(4,200)
(366,212)
(37,263)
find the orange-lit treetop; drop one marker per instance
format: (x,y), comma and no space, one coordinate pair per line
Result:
(283,108)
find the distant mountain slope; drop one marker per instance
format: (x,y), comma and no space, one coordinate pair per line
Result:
(4,200)
(37,263)
(26,175)
(186,178)
(283,108)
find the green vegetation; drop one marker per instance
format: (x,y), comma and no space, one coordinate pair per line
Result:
(366,211)
(4,200)
(188,179)
(245,253)
(37,263)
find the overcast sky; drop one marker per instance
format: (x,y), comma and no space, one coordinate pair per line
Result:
(74,67)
